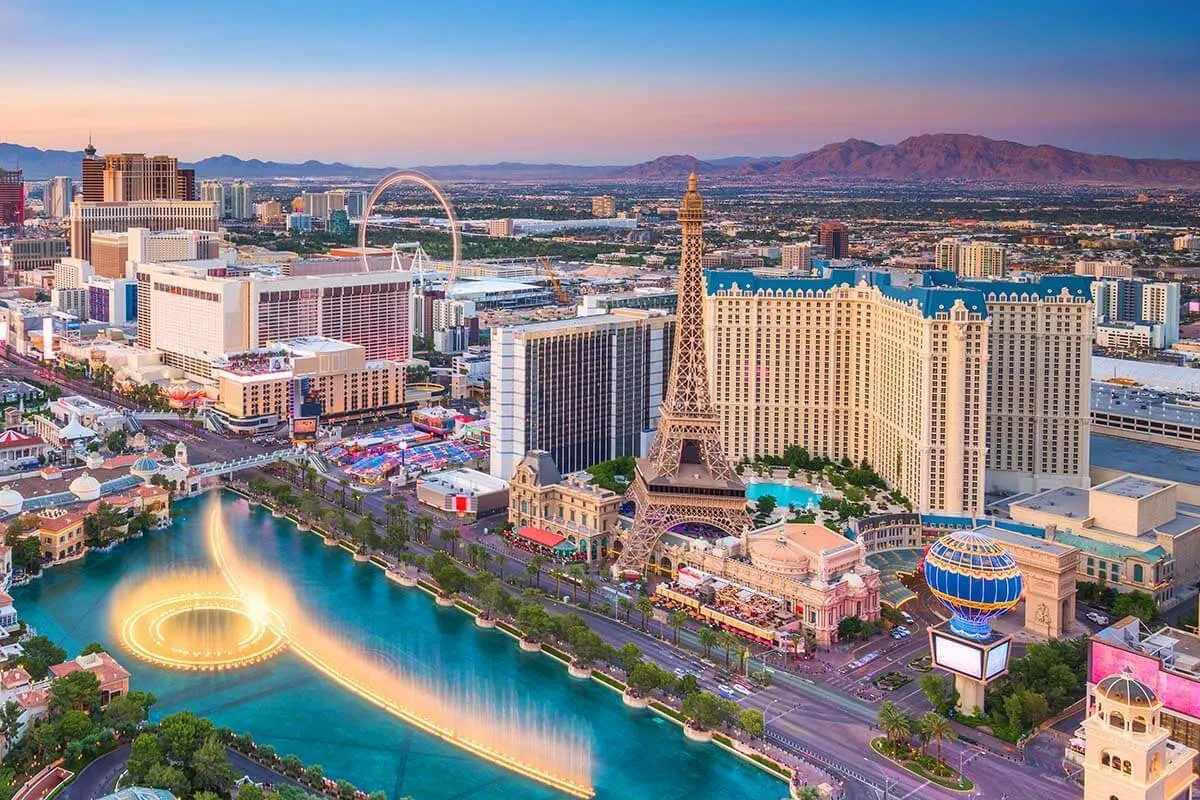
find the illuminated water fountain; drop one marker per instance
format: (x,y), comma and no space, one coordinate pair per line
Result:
(241,614)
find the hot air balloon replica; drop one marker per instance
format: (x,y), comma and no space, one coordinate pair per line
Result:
(977,580)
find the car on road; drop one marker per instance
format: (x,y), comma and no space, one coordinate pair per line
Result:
(740,689)
(907,617)
(1097,617)
(724,690)
(679,673)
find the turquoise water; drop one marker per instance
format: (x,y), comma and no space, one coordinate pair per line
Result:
(636,754)
(798,496)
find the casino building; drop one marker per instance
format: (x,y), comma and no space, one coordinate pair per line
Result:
(948,388)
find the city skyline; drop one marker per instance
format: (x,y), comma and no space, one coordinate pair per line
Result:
(614,85)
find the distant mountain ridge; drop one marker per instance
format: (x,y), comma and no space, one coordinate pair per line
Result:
(933,157)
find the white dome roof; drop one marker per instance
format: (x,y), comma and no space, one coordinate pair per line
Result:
(11,501)
(85,487)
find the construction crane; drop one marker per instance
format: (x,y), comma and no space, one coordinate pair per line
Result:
(559,292)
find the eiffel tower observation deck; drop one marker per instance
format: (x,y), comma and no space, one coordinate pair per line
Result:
(686,478)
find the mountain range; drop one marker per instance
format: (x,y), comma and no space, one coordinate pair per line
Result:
(935,157)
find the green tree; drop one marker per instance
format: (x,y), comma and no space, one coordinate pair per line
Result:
(751,721)
(702,709)
(144,755)
(182,734)
(210,767)
(894,723)
(534,568)
(644,678)
(314,775)
(247,791)
(630,655)
(589,585)
(169,777)
(10,720)
(79,690)
(808,793)
(451,580)
(645,607)
(40,653)
(125,712)
(728,640)
(677,620)
(939,729)
(940,692)
(708,639)
(74,725)
(850,628)
(766,505)
(450,537)
(1136,604)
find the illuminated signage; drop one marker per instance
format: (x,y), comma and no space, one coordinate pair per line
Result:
(997,660)
(957,656)
(304,429)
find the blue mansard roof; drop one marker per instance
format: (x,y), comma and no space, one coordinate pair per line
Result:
(933,292)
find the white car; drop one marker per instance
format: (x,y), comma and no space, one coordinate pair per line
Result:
(679,673)
(724,690)
(1097,618)
(742,689)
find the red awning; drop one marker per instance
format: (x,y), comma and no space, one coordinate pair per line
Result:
(538,536)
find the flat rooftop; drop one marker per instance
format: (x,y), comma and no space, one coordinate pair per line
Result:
(464,480)
(1021,540)
(1151,374)
(1132,486)
(1066,501)
(1146,458)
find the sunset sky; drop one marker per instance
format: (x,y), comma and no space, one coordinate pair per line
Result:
(403,83)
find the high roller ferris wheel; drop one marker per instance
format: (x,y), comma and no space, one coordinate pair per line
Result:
(420,179)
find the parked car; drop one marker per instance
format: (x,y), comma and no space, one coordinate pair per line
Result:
(1097,617)
(907,617)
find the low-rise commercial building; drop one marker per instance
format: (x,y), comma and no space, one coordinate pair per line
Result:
(466,492)
(569,509)
(1132,532)
(260,388)
(779,582)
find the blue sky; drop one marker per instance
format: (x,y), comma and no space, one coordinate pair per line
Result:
(407,83)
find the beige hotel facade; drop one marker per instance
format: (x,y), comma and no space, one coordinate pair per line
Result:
(948,389)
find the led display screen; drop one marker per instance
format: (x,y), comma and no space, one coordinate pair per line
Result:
(957,657)
(997,660)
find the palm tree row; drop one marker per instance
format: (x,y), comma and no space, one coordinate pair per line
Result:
(899,727)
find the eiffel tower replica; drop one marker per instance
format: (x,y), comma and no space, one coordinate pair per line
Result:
(686,477)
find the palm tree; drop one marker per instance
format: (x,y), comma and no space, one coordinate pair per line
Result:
(357,499)
(424,527)
(625,605)
(310,476)
(708,639)
(310,508)
(558,576)
(677,621)
(645,607)
(537,562)
(342,486)
(577,574)
(485,558)
(589,586)
(397,540)
(938,728)
(728,640)
(895,724)
(450,537)
(532,569)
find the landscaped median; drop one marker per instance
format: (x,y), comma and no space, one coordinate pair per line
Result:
(922,765)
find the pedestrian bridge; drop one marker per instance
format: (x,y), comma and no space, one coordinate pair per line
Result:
(215,468)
